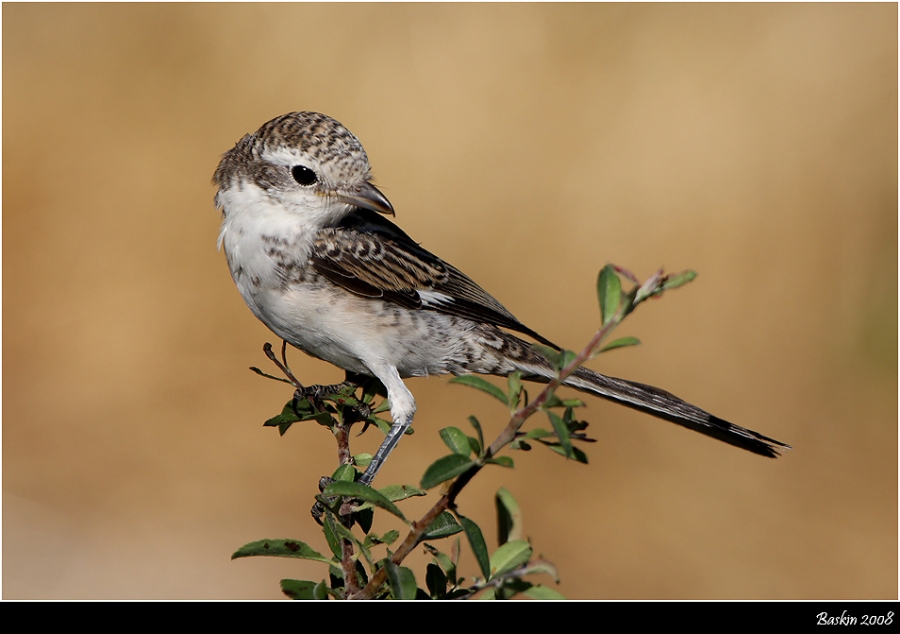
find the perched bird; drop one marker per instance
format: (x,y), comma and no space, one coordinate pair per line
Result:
(312,255)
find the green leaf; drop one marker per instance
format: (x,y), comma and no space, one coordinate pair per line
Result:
(443,560)
(479,547)
(609,292)
(298,590)
(401,580)
(390,537)
(344,473)
(320,592)
(509,517)
(444,469)
(553,356)
(474,423)
(342,532)
(436,581)
(568,356)
(514,391)
(362,492)
(362,459)
(457,441)
(279,548)
(488,595)
(478,383)
(364,517)
(562,433)
(621,343)
(577,454)
(331,537)
(677,279)
(284,420)
(543,593)
(443,525)
(323,418)
(510,555)
(503,461)
(397,492)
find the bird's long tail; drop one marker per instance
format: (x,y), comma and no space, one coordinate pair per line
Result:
(645,398)
(661,404)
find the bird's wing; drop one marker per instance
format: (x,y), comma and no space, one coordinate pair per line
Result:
(370,256)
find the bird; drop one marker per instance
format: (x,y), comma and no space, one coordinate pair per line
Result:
(309,246)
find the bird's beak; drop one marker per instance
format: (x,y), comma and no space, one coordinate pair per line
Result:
(367,196)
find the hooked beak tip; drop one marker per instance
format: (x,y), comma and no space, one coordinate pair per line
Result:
(368,197)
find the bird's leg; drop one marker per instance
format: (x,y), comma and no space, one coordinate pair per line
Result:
(403,408)
(393,437)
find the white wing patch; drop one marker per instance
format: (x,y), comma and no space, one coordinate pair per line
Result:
(434,298)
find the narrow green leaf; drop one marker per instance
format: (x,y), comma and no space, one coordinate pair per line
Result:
(479,547)
(577,454)
(621,343)
(298,590)
(609,292)
(456,440)
(444,525)
(475,447)
(444,469)
(362,492)
(401,580)
(514,389)
(503,461)
(342,532)
(279,548)
(509,517)
(562,433)
(331,536)
(677,279)
(543,593)
(478,383)
(474,423)
(443,560)
(510,555)
(488,595)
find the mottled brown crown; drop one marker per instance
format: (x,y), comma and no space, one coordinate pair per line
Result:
(318,137)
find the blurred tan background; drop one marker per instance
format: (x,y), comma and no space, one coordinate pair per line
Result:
(528,145)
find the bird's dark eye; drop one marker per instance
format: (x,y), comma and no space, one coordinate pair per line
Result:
(303,175)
